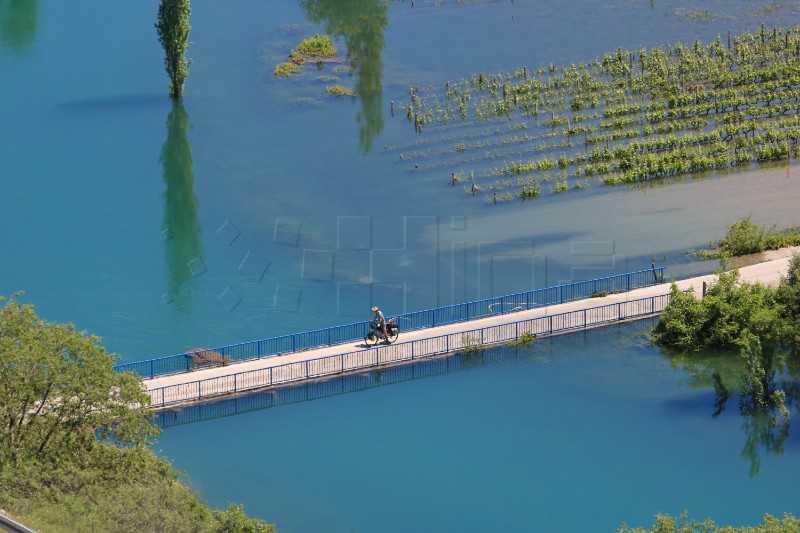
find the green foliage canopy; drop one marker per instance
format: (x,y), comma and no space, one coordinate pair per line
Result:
(718,321)
(59,393)
(57,386)
(173,34)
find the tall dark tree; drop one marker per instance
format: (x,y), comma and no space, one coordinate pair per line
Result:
(173,34)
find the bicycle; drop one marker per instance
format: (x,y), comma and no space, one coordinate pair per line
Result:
(375,334)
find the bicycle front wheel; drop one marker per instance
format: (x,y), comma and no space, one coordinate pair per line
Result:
(371,339)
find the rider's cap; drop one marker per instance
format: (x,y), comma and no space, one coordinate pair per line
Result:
(375,308)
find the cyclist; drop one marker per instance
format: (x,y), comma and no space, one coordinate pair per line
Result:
(381,322)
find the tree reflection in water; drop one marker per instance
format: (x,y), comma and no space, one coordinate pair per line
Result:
(361,24)
(18,22)
(762,404)
(181,229)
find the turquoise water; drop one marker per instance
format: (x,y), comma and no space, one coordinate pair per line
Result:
(575,433)
(261,207)
(268,207)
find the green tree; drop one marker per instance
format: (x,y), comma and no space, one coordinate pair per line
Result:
(789,297)
(173,34)
(57,386)
(58,394)
(719,320)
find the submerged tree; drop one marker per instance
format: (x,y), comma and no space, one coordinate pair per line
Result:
(173,34)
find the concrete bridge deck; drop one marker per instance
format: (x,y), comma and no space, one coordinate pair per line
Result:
(768,272)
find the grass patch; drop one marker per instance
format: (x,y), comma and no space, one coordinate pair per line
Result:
(339,90)
(284,70)
(525,339)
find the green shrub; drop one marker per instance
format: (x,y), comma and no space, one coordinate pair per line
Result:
(743,237)
(318,45)
(720,321)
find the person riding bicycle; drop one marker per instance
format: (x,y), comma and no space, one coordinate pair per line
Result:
(381,322)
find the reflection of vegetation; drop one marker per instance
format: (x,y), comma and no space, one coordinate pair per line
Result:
(361,24)
(180,203)
(18,20)
(745,237)
(758,322)
(682,524)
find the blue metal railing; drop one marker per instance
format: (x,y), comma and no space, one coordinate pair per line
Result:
(408,322)
(406,351)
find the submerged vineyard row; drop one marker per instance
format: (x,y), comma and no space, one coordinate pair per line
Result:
(632,116)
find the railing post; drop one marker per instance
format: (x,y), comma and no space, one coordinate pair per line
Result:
(619,311)
(235,388)
(163,401)
(551,324)
(584,318)
(306,369)
(629,282)
(199,392)
(151,368)
(270,375)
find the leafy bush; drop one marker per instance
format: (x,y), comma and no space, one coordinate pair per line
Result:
(720,320)
(746,237)
(318,45)
(743,237)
